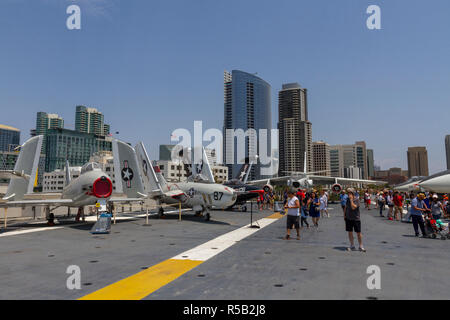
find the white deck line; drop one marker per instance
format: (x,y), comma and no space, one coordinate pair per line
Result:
(14,233)
(215,246)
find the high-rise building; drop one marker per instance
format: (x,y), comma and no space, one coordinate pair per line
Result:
(165,152)
(44,122)
(247,106)
(295,136)
(361,158)
(75,146)
(90,120)
(417,161)
(9,138)
(346,156)
(352,172)
(447,150)
(370,164)
(321,157)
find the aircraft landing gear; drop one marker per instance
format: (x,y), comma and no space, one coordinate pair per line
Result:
(198,213)
(244,208)
(80,214)
(207,216)
(50,217)
(161,213)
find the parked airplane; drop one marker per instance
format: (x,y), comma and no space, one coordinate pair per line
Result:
(202,173)
(439,182)
(411,184)
(200,196)
(306,180)
(245,192)
(91,187)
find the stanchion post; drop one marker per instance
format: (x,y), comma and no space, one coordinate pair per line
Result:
(114,215)
(146,217)
(6,217)
(179,215)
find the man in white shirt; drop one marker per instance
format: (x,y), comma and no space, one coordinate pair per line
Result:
(293,214)
(323,204)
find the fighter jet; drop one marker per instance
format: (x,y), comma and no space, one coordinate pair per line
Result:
(245,192)
(411,184)
(200,196)
(439,182)
(91,187)
(306,180)
(202,172)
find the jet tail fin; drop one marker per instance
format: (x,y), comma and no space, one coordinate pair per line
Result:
(67,169)
(202,169)
(150,180)
(25,170)
(126,170)
(245,170)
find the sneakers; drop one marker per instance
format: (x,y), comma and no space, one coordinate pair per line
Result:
(352,248)
(287,237)
(362,249)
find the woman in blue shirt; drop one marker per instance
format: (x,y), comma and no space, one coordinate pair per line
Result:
(314,212)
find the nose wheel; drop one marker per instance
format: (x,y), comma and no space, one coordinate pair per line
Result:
(207,216)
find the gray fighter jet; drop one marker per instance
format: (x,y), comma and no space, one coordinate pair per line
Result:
(200,196)
(91,187)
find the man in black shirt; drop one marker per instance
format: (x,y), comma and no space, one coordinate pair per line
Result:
(353,220)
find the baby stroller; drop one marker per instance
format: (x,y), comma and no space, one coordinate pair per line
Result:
(437,227)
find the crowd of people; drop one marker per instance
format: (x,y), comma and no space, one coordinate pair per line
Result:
(300,204)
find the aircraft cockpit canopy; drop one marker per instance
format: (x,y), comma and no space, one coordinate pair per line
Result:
(91,166)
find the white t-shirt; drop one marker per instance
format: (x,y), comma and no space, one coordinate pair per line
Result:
(323,202)
(293,211)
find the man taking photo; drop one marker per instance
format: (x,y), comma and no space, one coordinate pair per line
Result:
(353,220)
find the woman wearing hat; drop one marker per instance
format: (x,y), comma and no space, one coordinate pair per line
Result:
(436,207)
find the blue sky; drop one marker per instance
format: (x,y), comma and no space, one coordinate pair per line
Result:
(154,66)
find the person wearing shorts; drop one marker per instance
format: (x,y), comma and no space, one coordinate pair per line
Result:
(314,212)
(398,206)
(353,220)
(293,214)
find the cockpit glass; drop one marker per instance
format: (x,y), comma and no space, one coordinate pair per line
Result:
(89,167)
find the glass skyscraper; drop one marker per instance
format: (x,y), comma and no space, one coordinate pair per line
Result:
(247,105)
(9,138)
(77,147)
(90,120)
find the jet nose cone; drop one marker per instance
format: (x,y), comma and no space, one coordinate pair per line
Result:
(438,184)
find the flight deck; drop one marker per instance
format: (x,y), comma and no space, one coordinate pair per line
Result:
(220,259)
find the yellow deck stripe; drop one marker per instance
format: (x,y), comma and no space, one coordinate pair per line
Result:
(276,215)
(142,284)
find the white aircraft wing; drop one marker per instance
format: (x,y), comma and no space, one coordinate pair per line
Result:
(126,199)
(316,180)
(331,180)
(37,203)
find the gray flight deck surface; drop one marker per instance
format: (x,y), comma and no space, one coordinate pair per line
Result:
(261,266)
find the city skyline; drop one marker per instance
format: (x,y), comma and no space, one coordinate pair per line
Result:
(356,78)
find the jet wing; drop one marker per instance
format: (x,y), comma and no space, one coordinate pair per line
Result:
(331,180)
(270,180)
(126,199)
(316,180)
(37,203)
